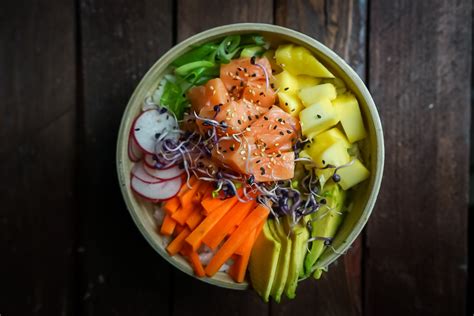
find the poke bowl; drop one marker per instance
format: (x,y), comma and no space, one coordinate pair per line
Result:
(250,154)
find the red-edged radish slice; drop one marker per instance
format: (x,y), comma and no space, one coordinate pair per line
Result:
(156,192)
(140,173)
(164,174)
(150,162)
(152,125)
(134,152)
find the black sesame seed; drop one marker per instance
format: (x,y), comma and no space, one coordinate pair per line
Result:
(318,116)
(281,133)
(254,75)
(261,93)
(257,116)
(266,118)
(157,135)
(239,121)
(336,177)
(288,131)
(286,89)
(249,117)
(163,110)
(278,156)
(252,60)
(258,161)
(242,83)
(137,129)
(323,201)
(275,127)
(324,162)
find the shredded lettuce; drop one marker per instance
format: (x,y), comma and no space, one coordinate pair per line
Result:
(201,64)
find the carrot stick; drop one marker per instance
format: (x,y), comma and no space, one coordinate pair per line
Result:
(175,246)
(210,204)
(195,238)
(204,190)
(188,196)
(227,223)
(195,218)
(168,225)
(249,243)
(258,215)
(184,187)
(183,213)
(178,229)
(196,263)
(239,268)
(171,205)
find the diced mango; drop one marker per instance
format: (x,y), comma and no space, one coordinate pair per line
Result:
(348,110)
(286,82)
(324,140)
(311,95)
(300,61)
(335,155)
(318,117)
(305,81)
(270,54)
(353,174)
(290,103)
(338,83)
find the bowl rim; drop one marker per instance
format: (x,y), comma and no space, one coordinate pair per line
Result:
(163,62)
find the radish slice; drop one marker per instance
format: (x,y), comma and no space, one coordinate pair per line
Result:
(152,125)
(156,192)
(134,152)
(150,162)
(140,173)
(164,174)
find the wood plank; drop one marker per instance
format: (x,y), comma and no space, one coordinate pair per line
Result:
(197,16)
(37,89)
(120,40)
(340,25)
(193,296)
(420,72)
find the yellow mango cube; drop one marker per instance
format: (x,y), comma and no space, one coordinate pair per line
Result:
(311,95)
(353,174)
(318,117)
(286,82)
(349,113)
(305,81)
(290,103)
(324,140)
(338,83)
(300,61)
(335,155)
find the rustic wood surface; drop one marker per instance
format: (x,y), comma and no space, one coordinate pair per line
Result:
(68,245)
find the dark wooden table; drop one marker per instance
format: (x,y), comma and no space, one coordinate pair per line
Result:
(68,245)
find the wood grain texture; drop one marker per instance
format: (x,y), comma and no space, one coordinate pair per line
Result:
(37,89)
(120,40)
(340,25)
(420,77)
(193,296)
(196,16)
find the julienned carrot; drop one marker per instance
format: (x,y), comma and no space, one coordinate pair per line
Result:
(249,243)
(175,246)
(183,213)
(210,204)
(239,268)
(204,190)
(178,229)
(184,187)
(168,226)
(229,221)
(188,197)
(195,218)
(171,205)
(196,262)
(195,238)
(255,217)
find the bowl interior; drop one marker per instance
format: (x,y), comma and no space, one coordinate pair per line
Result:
(372,147)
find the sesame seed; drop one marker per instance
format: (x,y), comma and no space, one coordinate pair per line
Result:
(286,89)
(242,152)
(266,118)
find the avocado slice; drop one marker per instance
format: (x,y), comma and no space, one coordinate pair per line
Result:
(263,261)
(325,222)
(283,262)
(299,238)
